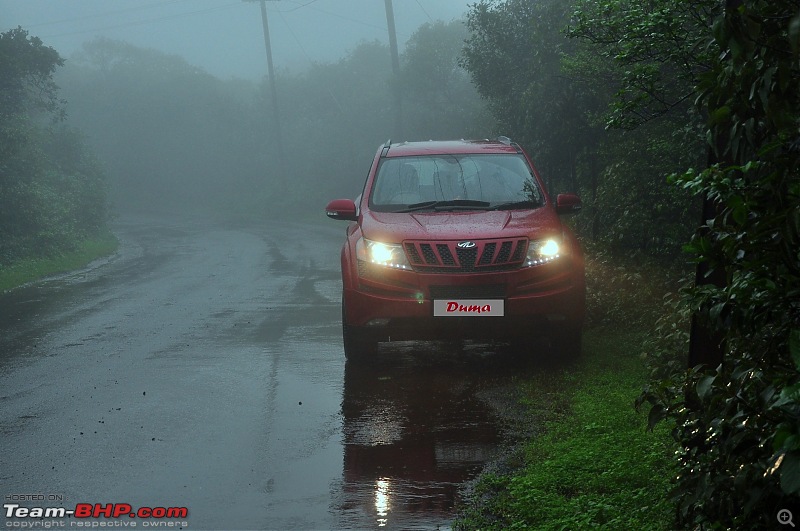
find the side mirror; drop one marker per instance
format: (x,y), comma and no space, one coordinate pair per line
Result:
(568,204)
(342,209)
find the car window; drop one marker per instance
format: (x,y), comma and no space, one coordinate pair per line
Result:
(497,179)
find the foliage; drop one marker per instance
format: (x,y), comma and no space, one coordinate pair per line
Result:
(513,54)
(651,53)
(596,466)
(645,58)
(553,75)
(739,423)
(681,78)
(622,290)
(52,191)
(335,116)
(26,75)
(440,101)
(632,207)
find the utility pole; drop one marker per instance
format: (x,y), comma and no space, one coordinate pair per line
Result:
(398,95)
(273,92)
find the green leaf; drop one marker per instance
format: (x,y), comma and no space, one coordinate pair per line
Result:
(794,33)
(717,311)
(791,393)
(794,346)
(704,386)
(738,209)
(782,434)
(720,115)
(790,473)
(657,414)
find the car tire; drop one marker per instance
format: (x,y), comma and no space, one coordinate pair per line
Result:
(358,345)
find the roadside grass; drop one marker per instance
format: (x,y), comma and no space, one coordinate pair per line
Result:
(596,466)
(31,269)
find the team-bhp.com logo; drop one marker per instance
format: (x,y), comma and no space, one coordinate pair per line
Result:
(95,510)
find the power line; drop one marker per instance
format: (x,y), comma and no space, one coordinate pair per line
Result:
(299,45)
(292,33)
(145,21)
(105,14)
(179,15)
(423,10)
(337,15)
(298,7)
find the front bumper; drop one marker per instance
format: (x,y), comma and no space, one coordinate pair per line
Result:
(400,303)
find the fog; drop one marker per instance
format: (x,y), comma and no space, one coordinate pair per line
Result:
(225,37)
(175,101)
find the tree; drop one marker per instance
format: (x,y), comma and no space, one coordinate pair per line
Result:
(686,78)
(26,75)
(513,54)
(739,423)
(648,58)
(554,79)
(652,53)
(440,100)
(52,192)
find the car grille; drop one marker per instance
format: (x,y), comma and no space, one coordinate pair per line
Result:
(480,291)
(446,257)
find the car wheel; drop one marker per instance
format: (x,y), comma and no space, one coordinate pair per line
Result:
(358,345)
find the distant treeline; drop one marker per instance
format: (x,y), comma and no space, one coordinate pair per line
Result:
(176,138)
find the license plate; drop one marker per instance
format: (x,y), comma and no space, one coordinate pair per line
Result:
(468,308)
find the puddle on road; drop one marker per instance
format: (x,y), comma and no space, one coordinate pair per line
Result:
(416,427)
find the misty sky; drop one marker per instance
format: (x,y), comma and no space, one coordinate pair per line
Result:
(225,36)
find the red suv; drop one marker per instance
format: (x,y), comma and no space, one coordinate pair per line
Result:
(459,239)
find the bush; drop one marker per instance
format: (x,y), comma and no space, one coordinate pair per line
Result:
(738,424)
(621,288)
(52,192)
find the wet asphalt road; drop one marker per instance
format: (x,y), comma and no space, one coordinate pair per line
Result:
(202,367)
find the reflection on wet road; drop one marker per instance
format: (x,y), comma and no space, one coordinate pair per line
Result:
(202,367)
(414,431)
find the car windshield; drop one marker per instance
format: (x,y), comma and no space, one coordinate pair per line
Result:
(454,182)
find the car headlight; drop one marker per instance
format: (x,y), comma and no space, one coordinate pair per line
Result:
(385,254)
(543,251)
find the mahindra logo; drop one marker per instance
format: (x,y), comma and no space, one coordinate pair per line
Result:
(466,245)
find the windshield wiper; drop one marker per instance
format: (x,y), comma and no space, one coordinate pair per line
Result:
(456,204)
(513,205)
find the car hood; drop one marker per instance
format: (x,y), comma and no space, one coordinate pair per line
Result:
(396,227)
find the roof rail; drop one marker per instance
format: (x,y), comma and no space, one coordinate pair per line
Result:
(386,146)
(507,141)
